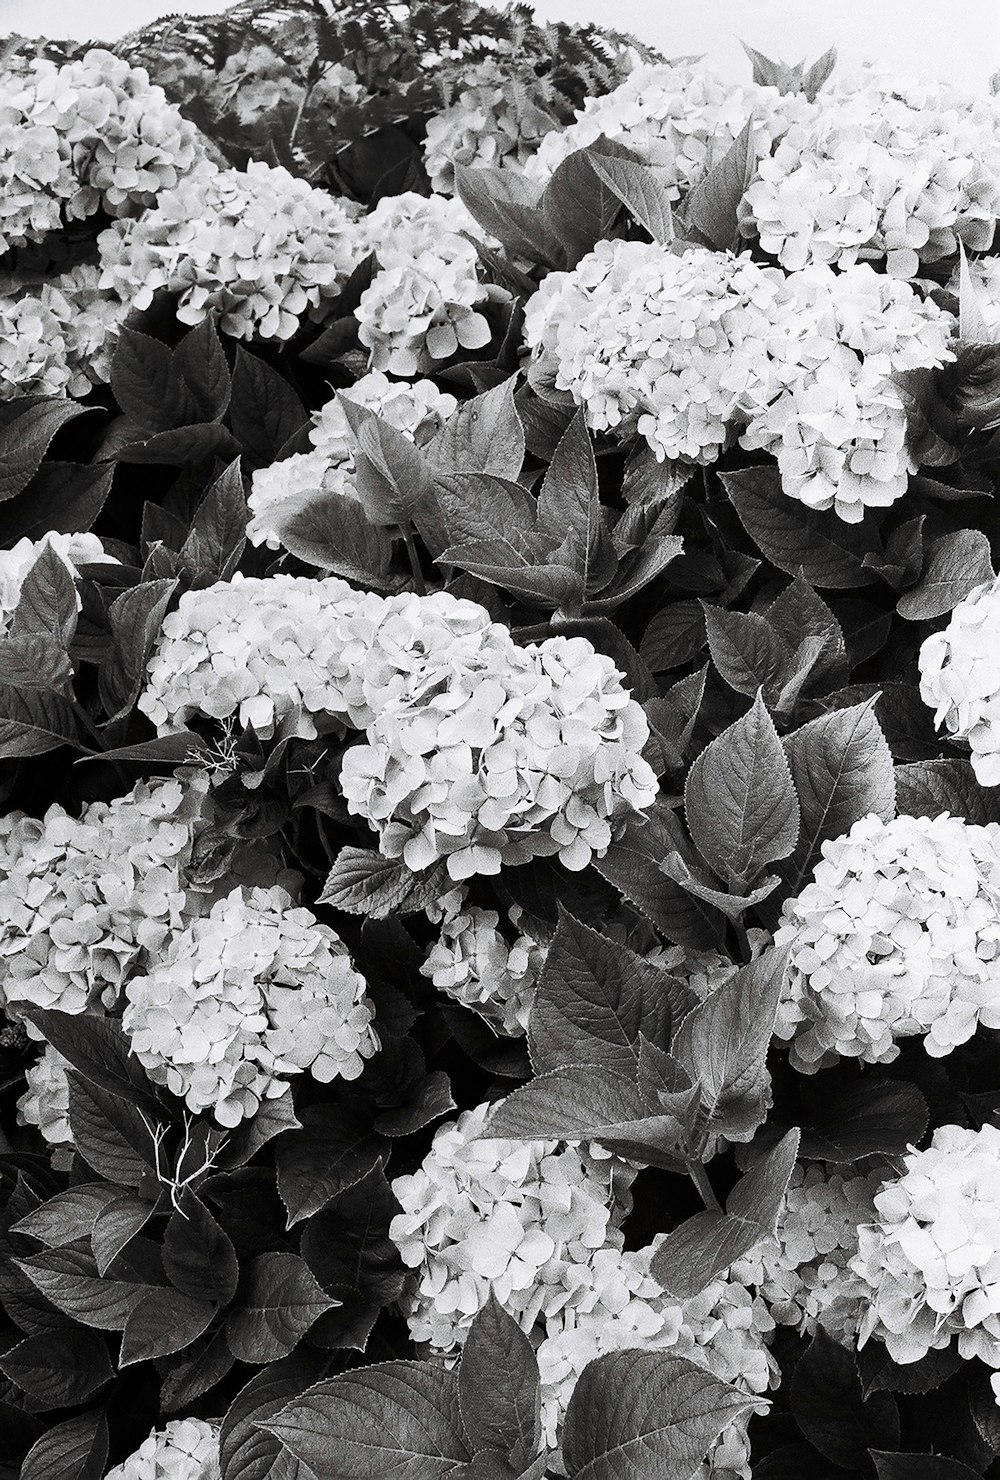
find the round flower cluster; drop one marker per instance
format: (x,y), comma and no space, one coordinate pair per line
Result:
(83,898)
(501,754)
(804,1274)
(289,653)
(247,995)
(473,962)
(960,678)
(417,409)
(690,349)
(931,1256)
(880,171)
(518,1219)
(92,134)
(897,934)
(15,563)
(678,116)
(257,246)
(184,1449)
(45,1102)
(57,336)
(618,1305)
(423,303)
(493,122)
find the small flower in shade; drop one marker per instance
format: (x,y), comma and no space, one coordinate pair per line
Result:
(185,1449)
(45,1102)
(85,899)
(416,409)
(960,678)
(517,1219)
(247,996)
(15,563)
(474,963)
(896,935)
(259,247)
(930,1257)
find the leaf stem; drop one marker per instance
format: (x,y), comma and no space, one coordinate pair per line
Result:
(411,550)
(699,1176)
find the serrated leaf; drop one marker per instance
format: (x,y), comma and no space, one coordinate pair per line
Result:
(546,584)
(959,562)
(484,435)
(632,865)
(34,661)
(69,1279)
(928,788)
(25,433)
(842,769)
(674,635)
(348,1248)
(594,998)
(217,538)
(68,1216)
(713,204)
(704,1246)
(329,1153)
(748,652)
(723,1043)
(76,1449)
(577,206)
(643,189)
(110,1133)
(62,498)
(829,1407)
(392,478)
(58,1369)
(198,1256)
(99,1048)
(364,882)
(200,360)
(733,906)
(34,721)
(879,1117)
(570,513)
(265,412)
(739,800)
(135,617)
(195,1373)
(332,531)
(483,509)
(637,1415)
(507,208)
(394,1421)
(46,603)
(116,1225)
(498,1387)
(800,612)
(163,1322)
(148,385)
(799,541)
(920,1467)
(246,1450)
(277,1303)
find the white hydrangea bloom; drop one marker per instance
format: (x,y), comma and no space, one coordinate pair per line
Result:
(45,1102)
(57,335)
(245,997)
(417,409)
(257,246)
(423,302)
(804,1274)
(518,1219)
(879,170)
(15,563)
(84,899)
(897,934)
(503,754)
(92,134)
(931,1255)
(184,1449)
(473,963)
(489,125)
(617,1305)
(960,678)
(677,115)
(289,653)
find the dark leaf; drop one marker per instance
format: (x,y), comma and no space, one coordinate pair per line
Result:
(829,1407)
(632,864)
(149,386)
(213,548)
(959,562)
(34,721)
(69,1279)
(197,1372)
(332,531)
(331,1152)
(198,1257)
(713,204)
(246,1450)
(920,1467)
(59,1369)
(348,1248)
(498,1389)
(748,651)
(110,1133)
(46,603)
(25,434)
(875,1117)
(278,1301)
(200,361)
(163,1322)
(63,497)
(99,1048)
(928,788)
(820,547)
(76,1449)
(264,411)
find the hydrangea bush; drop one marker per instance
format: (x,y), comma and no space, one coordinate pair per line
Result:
(500,843)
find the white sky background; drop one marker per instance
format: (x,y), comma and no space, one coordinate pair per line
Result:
(957,41)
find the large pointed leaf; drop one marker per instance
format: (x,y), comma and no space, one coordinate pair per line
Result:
(798,540)
(632,864)
(484,435)
(498,1389)
(713,205)
(278,1301)
(34,721)
(26,430)
(333,532)
(570,513)
(644,190)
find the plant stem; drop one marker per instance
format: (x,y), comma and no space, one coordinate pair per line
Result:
(411,550)
(699,1176)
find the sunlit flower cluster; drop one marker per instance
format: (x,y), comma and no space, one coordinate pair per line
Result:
(474,962)
(960,678)
(881,171)
(92,134)
(804,1274)
(259,247)
(83,900)
(520,1219)
(676,115)
(425,300)
(184,1449)
(897,934)
(691,349)
(931,1255)
(73,550)
(57,335)
(502,755)
(247,996)
(45,1102)
(415,408)
(493,122)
